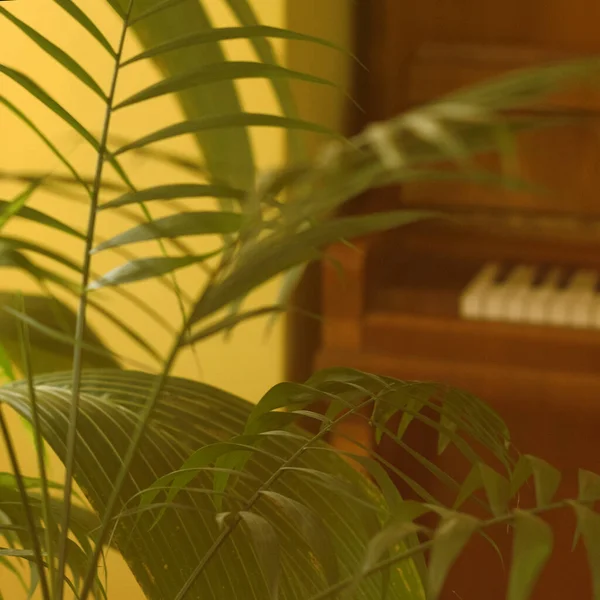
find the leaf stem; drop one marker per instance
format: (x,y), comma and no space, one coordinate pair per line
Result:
(228,530)
(37,551)
(39,448)
(81,317)
(334,589)
(136,438)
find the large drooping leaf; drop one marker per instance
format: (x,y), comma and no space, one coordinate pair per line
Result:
(191,415)
(348,391)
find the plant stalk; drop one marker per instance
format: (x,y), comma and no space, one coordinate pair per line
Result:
(14,462)
(136,438)
(81,317)
(39,448)
(333,590)
(228,530)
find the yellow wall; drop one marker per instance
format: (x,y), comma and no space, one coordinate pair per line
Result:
(20,150)
(249,363)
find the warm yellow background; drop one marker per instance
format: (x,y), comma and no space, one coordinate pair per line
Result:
(249,363)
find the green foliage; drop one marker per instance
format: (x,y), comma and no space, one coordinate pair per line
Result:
(16,538)
(450,538)
(531,549)
(52,325)
(190,416)
(204,494)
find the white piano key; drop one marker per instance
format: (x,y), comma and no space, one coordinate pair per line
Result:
(521,286)
(595,311)
(498,299)
(472,300)
(582,290)
(537,307)
(560,304)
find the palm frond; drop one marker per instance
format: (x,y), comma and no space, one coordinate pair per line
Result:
(252,32)
(226,121)
(179,225)
(68,62)
(147,268)
(177,19)
(110,405)
(82,19)
(176,191)
(215,73)
(14,534)
(256,469)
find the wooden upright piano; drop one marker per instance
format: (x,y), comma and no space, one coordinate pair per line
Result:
(504,301)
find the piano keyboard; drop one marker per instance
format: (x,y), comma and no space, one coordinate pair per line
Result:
(526,294)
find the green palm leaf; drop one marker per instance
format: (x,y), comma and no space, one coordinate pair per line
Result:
(274,256)
(216,73)
(252,32)
(147,268)
(182,224)
(225,122)
(174,20)
(190,415)
(44,138)
(175,191)
(59,55)
(36,216)
(80,17)
(45,98)
(14,534)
